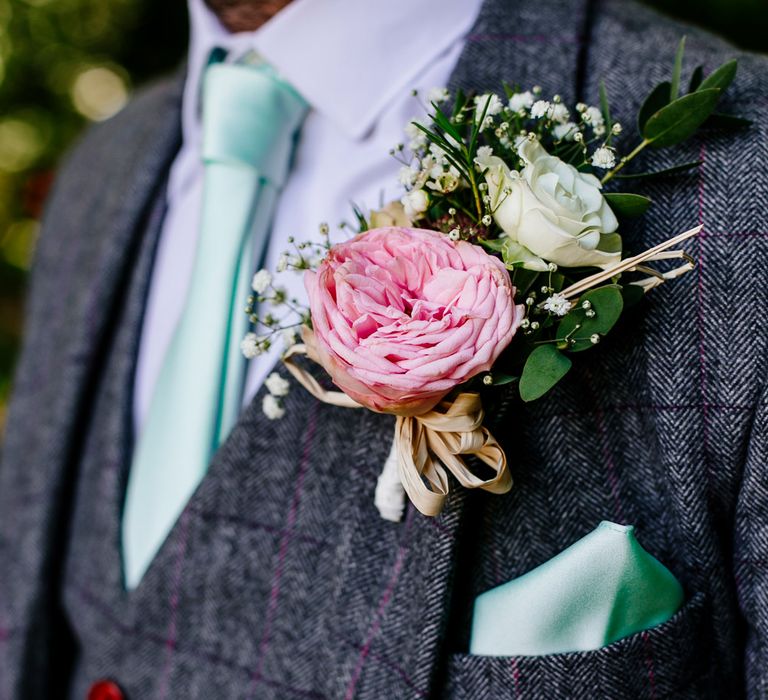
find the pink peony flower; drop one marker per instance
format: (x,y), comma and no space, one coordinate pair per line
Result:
(401,316)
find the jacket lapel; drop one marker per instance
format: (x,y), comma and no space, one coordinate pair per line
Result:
(400,622)
(81,268)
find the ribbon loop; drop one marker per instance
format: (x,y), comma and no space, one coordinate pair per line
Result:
(430,445)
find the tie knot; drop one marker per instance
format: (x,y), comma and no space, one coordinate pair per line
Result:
(249,118)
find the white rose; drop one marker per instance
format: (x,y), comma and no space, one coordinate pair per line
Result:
(415,204)
(553,211)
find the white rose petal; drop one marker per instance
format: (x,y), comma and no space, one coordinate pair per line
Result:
(552,210)
(272,407)
(277,385)
(261,281)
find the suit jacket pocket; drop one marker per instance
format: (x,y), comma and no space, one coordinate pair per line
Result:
(666,661)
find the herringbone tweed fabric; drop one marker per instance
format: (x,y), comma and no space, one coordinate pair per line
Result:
(280,581)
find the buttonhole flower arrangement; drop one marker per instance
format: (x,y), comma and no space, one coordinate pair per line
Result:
(499,264)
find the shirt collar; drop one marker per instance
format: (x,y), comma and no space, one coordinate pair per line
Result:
(348,58)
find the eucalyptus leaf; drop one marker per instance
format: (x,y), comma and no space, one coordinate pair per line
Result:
(666,171)
(544,368)
(610,243)
(657,98)
(604,106)
(500,379)
(721,77)
(626,204)
(577,327)
(674,88)
(680,119)
(718,120)
(515,255)
(632,294)
(696,77)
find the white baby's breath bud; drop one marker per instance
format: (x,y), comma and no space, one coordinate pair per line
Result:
(289,337)
(521,101)
(488,380)
(415,203)
(566,131)
(559,113)
(324,229)
(277,385)
(558,305)
(487,219)
(616,129)
(600,130)
(594,339)
(552,267)
(604,157)
(541,108)
(272,407)
(593,116)
(525,323)
(251,346)
(536,89)
(534,325)
(452,211)
(578,137)
(437,95)
(261,281)
(454,234)
(483,157)
(495,105)
(580,107)
(282,263)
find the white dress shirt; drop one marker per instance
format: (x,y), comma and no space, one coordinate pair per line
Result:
(355,62)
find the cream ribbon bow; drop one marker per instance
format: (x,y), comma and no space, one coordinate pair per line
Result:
(426,447)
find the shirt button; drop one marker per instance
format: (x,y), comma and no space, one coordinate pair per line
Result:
(105,690)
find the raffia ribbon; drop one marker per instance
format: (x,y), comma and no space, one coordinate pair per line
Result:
(430,445)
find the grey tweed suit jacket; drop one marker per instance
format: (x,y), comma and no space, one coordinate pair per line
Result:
(280,580)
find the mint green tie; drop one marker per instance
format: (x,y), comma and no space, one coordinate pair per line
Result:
(250,120)
(599,590)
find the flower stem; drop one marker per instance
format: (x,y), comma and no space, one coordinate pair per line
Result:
(625,160)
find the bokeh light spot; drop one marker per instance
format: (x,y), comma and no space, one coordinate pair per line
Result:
(18,243)
(20,145)
(99,92)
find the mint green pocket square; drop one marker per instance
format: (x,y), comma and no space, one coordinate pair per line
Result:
(602,588)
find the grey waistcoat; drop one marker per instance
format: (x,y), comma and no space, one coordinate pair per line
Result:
(279,580)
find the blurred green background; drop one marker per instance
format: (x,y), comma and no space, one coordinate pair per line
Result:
(64,63)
